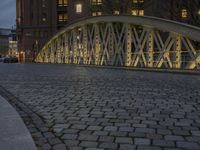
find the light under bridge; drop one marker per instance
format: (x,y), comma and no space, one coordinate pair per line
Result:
(131,41)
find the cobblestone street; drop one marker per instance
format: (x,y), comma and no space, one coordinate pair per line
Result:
(69,107)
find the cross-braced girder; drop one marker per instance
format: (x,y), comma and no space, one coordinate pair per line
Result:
(125,41)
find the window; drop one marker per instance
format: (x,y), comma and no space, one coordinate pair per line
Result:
(44,17)
(62,17)
(62,2)
(198,12)
(137,12)
(98,13)
(96,2)
(141,12)
(138,1)
(116,12)
(43,3)
(184,13)
(78,8)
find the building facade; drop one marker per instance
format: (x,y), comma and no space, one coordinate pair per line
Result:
(39,20)
(13,51)
(4,41)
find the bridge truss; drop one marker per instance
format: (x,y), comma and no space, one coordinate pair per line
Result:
(145,42)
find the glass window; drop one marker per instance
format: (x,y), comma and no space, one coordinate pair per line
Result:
(62,17)
(98,13)
(96,2)
(78,8)
(116,12)
(138,1)
(62,2)
(141,12)
(184,13)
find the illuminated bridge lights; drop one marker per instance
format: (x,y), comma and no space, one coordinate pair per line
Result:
(133,41)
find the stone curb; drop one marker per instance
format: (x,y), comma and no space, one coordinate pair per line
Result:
(13,133)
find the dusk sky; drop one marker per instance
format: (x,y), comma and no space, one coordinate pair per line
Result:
(7,13)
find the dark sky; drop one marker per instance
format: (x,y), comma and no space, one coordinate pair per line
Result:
(7,13)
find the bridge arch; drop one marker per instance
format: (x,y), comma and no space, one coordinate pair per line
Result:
(125,41)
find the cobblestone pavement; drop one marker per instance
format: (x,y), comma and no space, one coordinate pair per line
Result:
(67,107)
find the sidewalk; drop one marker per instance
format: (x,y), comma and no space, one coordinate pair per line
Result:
(13,133)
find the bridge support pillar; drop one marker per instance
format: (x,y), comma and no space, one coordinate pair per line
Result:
(128,45)
(97,45)
(85,41)
(150,48)
(177,53)
(75,47)
(52,57)
(66,49)
(58,45)
(111,45)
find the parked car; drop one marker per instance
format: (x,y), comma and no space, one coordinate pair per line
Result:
(10,60)
(1,59)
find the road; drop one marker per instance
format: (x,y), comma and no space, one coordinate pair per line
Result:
(70,107)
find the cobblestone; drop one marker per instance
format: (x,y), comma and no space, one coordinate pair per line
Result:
(188,145)
(88,137)
(108,145)
(163,143)
(148,148)
(88,144)
(127,147)
(124,140)
(69,136)
(141,141)
(106,139)
(76,108)
(59,147)
(174,138)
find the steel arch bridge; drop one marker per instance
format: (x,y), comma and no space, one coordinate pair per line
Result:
(131,41)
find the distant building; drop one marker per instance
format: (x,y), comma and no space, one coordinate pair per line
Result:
(4,41)
(13,51)
(38,20)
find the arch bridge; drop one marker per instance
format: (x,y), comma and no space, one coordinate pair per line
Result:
(131,41)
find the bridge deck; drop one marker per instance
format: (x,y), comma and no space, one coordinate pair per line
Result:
(77,107)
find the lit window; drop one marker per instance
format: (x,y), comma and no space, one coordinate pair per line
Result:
(65,2)
(184,13)
(78,8)
(96,2)
(198,12)
(138,1)
(62,2)
(62,17)
(116,12)
(99,13)
(141,12)
(138,12)
(44,19)
(65,17)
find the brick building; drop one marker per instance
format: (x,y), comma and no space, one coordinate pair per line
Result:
(38,20)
